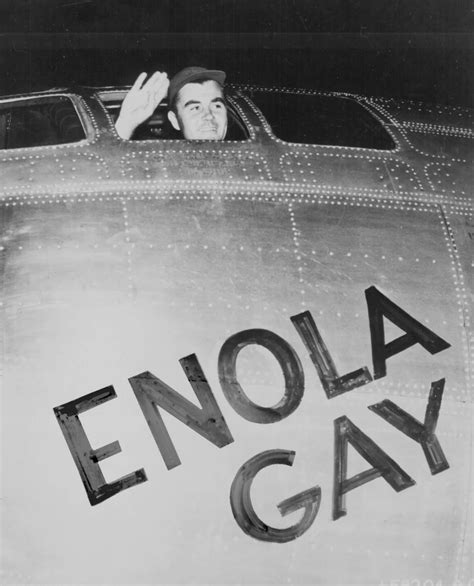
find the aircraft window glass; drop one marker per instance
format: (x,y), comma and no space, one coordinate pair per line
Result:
(159,127)
(39,122)
(324,120)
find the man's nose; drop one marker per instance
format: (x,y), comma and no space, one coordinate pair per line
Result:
(208,113)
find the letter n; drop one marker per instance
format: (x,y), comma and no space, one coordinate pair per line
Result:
(346,432)
(208,421)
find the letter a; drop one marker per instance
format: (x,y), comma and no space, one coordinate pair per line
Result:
(416,333)
(346,432)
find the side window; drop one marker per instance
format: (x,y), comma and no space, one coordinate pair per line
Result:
(158,127)
(324,120)
(39,122)
(236,129)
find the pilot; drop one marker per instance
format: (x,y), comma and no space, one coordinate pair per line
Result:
(196,104)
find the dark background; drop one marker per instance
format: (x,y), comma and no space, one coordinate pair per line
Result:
(415,49)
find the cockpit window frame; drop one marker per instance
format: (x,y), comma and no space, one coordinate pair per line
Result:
(232,106)
(267,128)
(80,108)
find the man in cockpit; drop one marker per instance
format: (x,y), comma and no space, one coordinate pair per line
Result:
(196,104)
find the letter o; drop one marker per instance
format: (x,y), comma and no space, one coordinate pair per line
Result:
(287,359)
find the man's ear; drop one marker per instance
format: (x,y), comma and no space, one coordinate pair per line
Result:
(173,119)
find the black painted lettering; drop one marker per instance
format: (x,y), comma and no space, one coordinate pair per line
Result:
(288,361)
(423,433)
(85,457)
(333,384)
(245,514)
(208,421)
(346,432)
(416,333)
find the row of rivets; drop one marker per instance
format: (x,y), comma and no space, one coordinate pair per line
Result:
(396,167)
(131,286)
(401,127)
(461,294)
(296,250)
(363,202)
(316,193)
(244,117)
(160,185)
(435,171)
(425,108)
(439,129)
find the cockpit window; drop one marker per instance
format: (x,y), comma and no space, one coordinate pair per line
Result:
(158,127)
(39,122)
(322,120)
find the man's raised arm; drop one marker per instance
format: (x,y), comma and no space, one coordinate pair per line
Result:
(140,102)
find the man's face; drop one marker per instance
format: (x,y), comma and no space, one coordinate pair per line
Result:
(201,113)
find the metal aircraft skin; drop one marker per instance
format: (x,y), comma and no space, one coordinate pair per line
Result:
(122,258)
